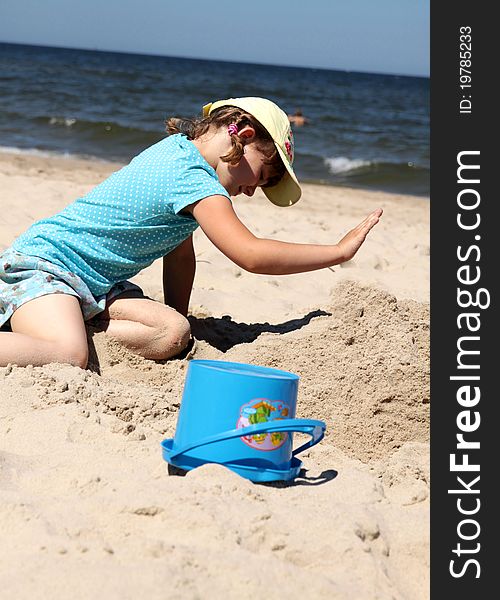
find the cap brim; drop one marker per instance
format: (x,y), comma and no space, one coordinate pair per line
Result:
(287,192)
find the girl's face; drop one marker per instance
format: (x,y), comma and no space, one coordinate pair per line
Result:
(249,174)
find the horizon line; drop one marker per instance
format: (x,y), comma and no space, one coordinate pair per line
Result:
(136,53)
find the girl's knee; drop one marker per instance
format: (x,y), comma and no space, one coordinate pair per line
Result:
(172,338)
(179,334)
(183,331)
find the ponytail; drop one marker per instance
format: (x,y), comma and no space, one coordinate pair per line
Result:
(184,126)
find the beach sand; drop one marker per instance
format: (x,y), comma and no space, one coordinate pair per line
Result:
(87,508)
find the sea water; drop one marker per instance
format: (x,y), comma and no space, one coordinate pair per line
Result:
(365,130)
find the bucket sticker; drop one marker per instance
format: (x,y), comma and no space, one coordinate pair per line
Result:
(262,410)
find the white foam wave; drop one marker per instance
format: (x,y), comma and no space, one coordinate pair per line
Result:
(62,121)
(341,164)
(48,153)
(28,151)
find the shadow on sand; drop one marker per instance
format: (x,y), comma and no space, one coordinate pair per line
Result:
(301,479)
(223,333)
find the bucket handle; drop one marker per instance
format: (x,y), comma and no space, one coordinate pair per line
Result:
(316,429)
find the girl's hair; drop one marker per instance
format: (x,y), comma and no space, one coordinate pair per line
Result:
(223,117)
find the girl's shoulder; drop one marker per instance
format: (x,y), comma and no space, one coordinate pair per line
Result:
(173,163)
(175,154)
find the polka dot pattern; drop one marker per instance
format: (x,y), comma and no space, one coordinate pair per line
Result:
(130,219)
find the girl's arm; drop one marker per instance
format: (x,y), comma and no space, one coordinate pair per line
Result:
(220,223)
(178,274)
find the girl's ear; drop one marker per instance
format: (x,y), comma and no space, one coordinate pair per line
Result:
(247,133)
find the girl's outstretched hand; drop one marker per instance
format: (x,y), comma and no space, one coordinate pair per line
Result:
(351,242)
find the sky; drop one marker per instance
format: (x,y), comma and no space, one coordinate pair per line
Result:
(379,36)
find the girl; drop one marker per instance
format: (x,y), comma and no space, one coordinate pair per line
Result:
(74,266)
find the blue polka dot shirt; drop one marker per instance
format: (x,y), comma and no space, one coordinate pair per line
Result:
(130,219)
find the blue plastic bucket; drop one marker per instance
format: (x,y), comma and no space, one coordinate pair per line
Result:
(243,417)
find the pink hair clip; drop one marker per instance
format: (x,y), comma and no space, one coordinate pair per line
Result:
(232,129)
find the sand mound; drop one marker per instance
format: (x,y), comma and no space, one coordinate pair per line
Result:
(364,368)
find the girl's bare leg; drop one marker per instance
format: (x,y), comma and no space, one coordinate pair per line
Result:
(144,326)
(45,330)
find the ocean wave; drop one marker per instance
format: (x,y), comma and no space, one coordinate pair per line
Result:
(62,121)
(28,151)
(341,164)
(95,127)
(49,153)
